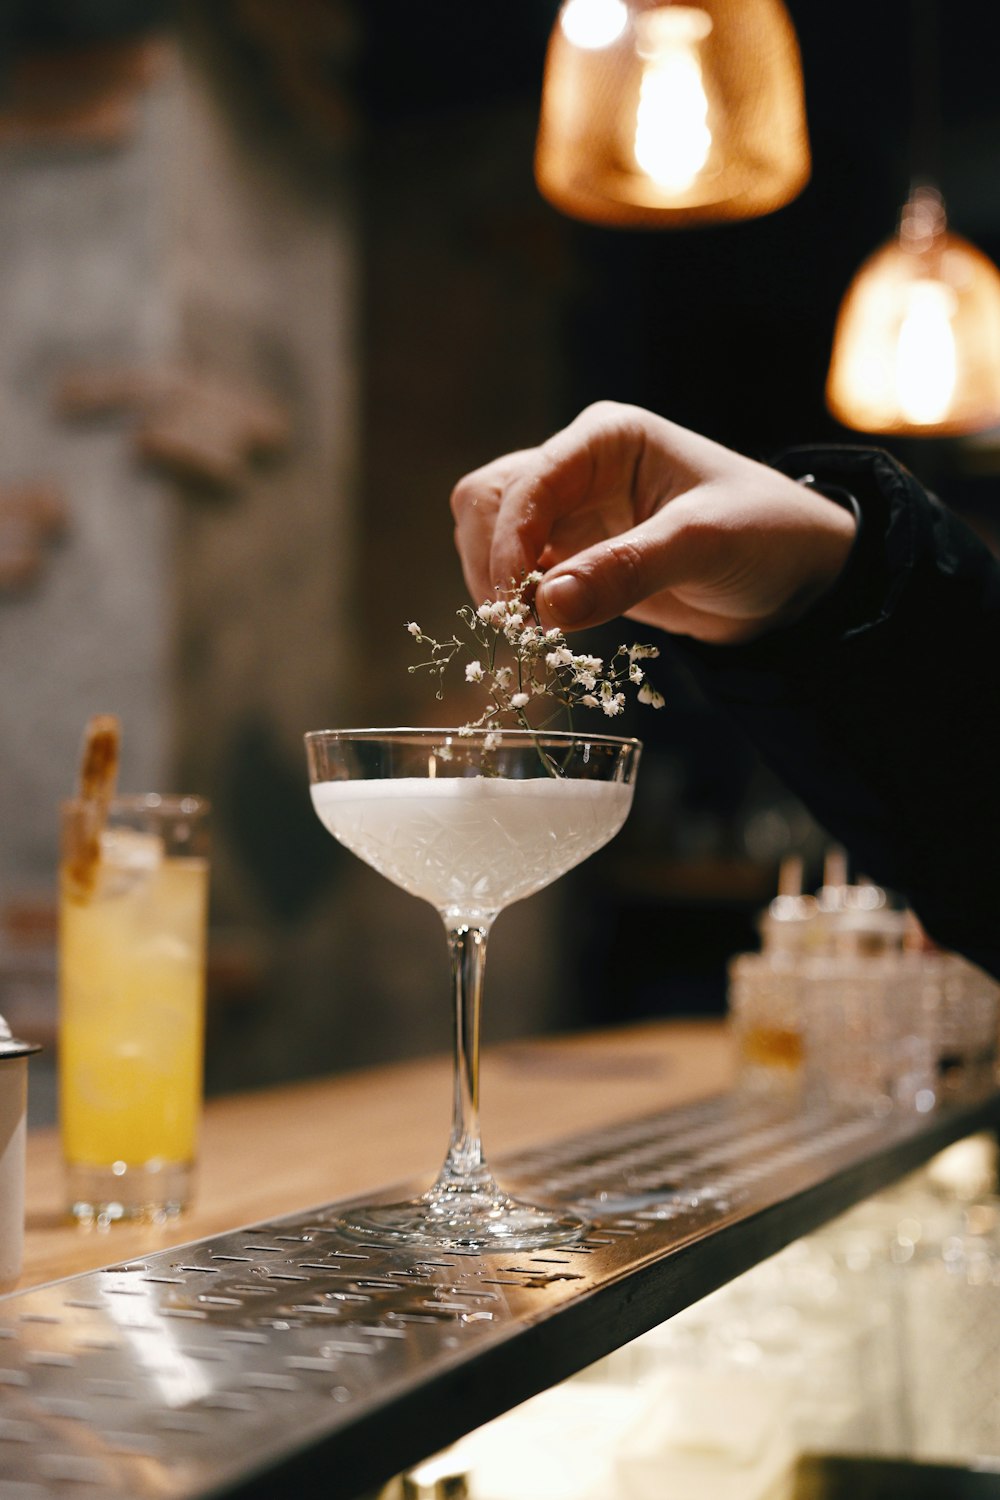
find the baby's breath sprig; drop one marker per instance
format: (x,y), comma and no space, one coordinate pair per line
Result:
(519,661)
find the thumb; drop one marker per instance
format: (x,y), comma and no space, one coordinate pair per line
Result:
(608,579)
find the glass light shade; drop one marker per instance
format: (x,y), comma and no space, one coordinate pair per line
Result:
(917,344)
(658,114)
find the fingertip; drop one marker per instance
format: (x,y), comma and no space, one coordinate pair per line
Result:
(567,600)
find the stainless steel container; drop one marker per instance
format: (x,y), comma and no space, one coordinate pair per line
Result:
(13,1113)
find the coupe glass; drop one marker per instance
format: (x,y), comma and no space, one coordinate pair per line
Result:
(470,822)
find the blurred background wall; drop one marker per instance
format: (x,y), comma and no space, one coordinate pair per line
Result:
(272,276)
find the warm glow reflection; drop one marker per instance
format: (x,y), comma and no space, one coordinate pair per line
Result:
(925,353)
(672,137)
(593,23)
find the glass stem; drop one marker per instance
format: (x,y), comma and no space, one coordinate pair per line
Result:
(464,1167)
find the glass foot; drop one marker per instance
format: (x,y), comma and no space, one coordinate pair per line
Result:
(463,1223)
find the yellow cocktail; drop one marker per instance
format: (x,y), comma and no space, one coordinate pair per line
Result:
(132,965)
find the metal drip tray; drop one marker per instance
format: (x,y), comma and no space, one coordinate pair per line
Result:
(284,1359)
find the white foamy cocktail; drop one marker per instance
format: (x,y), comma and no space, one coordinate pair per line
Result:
(470,821)
(472,844)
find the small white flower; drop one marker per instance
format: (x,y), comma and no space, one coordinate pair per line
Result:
(589,701)
(413,628)
(531,636)
(553,633)
(648,694)
(485,611)
(635,674)
(466,731)
(561,657)
(611,702)
(518,700)
(474,672)
(491,740)
(533,577)
(538,688)
(503,676)
(642,653)
(498,613)
(586,680)
(588,663)
(513,628)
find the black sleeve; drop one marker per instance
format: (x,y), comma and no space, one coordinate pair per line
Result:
(881,707)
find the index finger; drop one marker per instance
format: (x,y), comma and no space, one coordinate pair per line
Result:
(476,502)
(592,462)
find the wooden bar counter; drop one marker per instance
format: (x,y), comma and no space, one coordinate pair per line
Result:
(280,1150)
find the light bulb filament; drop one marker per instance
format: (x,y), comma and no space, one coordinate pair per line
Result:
(672,135)
(926,363)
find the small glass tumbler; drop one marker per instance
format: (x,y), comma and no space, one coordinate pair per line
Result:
(965,1006)
(868,1033)
(765,1016)
(132,940)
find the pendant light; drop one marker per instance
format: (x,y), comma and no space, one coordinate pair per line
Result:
(658,113)
(916,350)
(917,344)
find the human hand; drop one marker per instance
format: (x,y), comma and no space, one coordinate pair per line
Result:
(627,513)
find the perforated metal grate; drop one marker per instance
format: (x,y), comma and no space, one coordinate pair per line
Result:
(275,1354)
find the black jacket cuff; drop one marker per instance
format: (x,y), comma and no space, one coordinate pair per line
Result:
(864,594)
